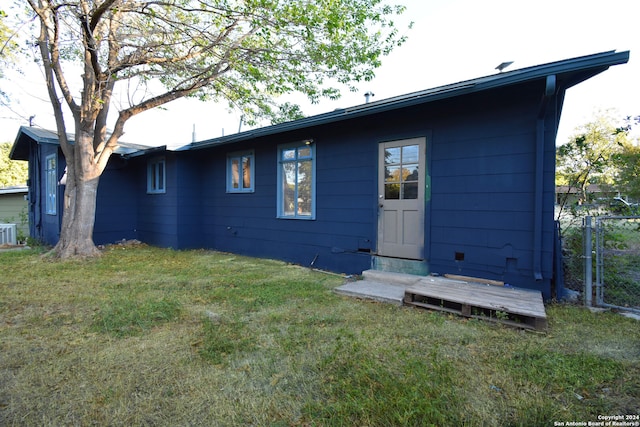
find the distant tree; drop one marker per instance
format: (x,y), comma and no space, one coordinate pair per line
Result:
(247,52)
(628,160)
(8,44)
(589,157)
(12,172)
(9,47)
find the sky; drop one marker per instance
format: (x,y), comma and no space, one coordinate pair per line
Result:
(451,41)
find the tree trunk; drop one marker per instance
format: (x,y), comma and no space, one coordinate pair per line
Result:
(78,217)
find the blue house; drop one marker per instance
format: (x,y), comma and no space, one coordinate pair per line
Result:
(456,179)
(116,211)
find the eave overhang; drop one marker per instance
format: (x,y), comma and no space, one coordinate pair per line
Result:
(568,73)
(20,148)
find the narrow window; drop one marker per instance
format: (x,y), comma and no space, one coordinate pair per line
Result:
(296,181)
(240,172)
(51,182)
(156,178)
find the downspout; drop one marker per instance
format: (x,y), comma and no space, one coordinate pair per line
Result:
(550,90)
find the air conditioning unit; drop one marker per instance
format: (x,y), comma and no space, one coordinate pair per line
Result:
(7,234)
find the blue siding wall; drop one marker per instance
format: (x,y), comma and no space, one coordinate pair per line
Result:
(173,218)
(479,219)
(483,191)
(189,208)
(341,235)
(117,204)
(158,213)
(482,197)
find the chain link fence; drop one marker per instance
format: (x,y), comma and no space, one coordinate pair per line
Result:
(617,262)
(571,228)
(601,258)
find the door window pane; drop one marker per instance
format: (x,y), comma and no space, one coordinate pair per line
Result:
(410,173)
(392,174)
(410,154)
(392,155)
(410,190)
(401,172)
(392,191)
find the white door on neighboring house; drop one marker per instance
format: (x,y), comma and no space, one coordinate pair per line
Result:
(401,198)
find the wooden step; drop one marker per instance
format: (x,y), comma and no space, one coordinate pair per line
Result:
(515,307)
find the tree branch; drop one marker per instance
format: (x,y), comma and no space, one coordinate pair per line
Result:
(44,13)
(99,13)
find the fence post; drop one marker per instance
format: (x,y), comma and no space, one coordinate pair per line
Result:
(588,262)
(599,259)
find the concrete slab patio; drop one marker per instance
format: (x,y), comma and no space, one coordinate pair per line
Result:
(380,286)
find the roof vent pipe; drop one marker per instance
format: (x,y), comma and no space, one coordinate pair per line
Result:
(367,96)
(503,65)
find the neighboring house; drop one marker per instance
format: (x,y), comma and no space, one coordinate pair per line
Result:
(13,208)
(572,195)
(456,179)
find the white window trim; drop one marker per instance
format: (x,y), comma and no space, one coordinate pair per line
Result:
(152,169)
(51,185)
(252,169)
(280,149)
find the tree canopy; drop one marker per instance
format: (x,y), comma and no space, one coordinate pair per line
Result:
(628,160)
(146,53)
(12,172)
(8,44)
(9,47)
(245,52)
(601,152)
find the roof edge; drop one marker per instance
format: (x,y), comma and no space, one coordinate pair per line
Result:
(598,62)
(15,189)
(46,136)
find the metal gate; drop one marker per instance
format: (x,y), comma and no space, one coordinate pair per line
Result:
(617,262)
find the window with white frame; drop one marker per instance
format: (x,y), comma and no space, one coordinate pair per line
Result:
(296,180)
(240,172)
(51,183)
(156,176)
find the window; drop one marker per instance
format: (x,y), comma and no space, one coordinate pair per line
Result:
(240,172)
(156,178)
(401,172)
(296,181)
(51,182)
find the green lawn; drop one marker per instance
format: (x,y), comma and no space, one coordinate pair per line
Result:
(147,336)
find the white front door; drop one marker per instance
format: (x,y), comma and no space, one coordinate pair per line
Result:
(401,190)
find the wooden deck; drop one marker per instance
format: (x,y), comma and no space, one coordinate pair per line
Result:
(515,307)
